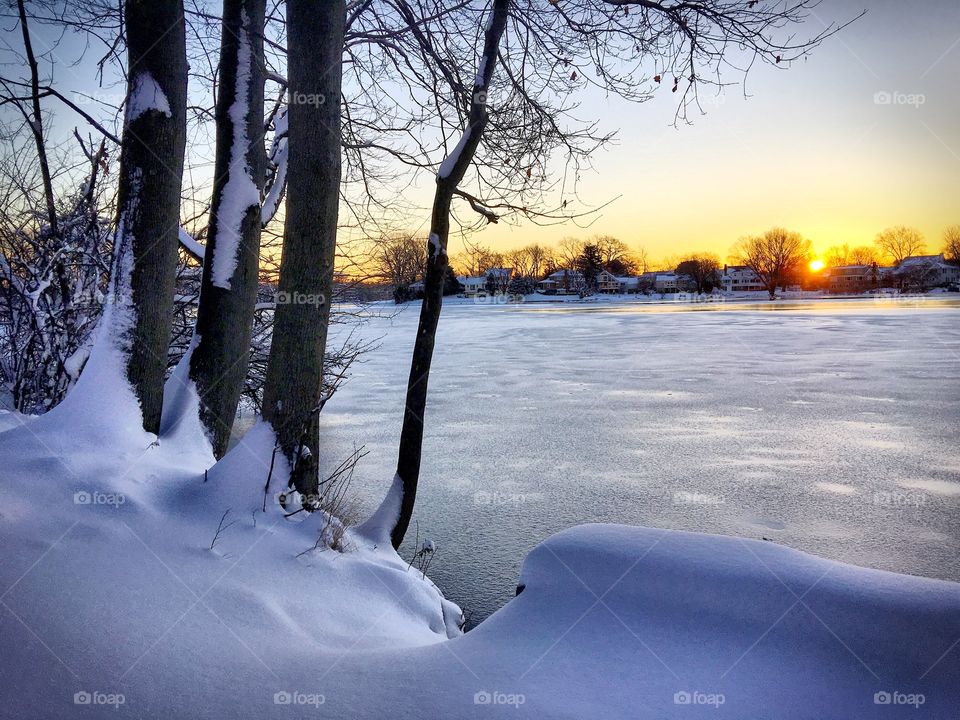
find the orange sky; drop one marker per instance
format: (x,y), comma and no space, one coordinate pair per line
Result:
(814,148)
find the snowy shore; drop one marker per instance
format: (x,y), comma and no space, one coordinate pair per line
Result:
(123,595)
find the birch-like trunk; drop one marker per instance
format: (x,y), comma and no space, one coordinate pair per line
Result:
(228,292)
(449,177)
(148,197)
(293,386)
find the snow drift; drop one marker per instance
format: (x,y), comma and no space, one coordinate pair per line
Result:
(132,585)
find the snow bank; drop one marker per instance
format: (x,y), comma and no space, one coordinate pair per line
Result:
(186,600)
(128,571)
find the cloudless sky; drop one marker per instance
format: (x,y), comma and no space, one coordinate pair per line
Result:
(810,149)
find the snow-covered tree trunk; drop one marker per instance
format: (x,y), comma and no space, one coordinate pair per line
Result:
(448,178)
(218,364)
(292,395)
(148,200)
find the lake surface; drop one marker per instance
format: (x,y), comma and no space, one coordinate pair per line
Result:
(828,426)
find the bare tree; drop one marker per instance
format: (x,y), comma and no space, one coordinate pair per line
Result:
(702,271)
(449,176)
(900,242)
(218,364)
(400,259)
(292,395)
(569,252)
(864,255)
(615,254)
(951,243)
(642,260)
(773,256)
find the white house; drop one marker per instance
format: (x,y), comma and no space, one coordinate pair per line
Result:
(666,282)
(562,282)
(740,278)
(928,271)
(473,285)
(628,285)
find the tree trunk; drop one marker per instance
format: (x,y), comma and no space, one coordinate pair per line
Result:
(449,176)
(148,198)
(293,386)
(228,291)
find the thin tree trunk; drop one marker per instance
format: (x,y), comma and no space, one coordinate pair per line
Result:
(228,291)
(449,177)
(293,385)
(148,199)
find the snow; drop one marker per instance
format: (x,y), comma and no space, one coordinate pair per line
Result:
(436,245)
(547,414)
(192,246)
(180,423)
(146,96)
(479,81)
(379,525)
(278,156)
(118,590)
(240,191)
(449,162)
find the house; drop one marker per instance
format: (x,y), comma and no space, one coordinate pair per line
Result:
(628,285)
(562,282)
(473,284)
(647,281)
(666,282)
(498,280)
(607,282)
(740,278)
(854,278)
(923,272)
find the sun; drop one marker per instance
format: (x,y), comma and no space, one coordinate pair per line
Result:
(817,265)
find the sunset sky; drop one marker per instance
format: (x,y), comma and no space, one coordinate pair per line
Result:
(810,149)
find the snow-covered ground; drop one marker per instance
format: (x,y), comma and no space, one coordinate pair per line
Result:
(132,586)
(829,426)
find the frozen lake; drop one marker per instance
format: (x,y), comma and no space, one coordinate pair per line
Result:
(829,426)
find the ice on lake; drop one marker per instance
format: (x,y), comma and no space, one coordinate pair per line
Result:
(831,427)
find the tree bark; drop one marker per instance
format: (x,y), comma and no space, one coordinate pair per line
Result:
(293,386)
(218,365)
(148,199)
(448,178)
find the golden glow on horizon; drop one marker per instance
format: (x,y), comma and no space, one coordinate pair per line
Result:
(817,265)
